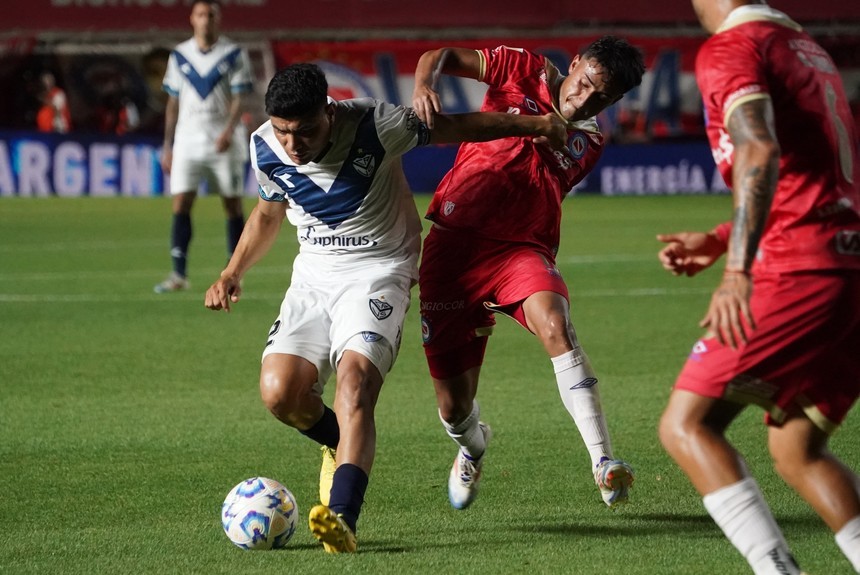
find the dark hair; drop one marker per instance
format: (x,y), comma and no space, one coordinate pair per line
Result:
(209,2)
(296,91)
(621,61)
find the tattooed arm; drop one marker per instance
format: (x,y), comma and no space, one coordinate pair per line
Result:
(755,170)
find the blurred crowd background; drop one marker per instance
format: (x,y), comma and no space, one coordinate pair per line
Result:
(109,56)
(91,70)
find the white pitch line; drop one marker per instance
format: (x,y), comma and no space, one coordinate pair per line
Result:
(93,245)
(275,297)
(211,274)
(641,292)
(7,276)
(120,298)
(101,245)
(607,258)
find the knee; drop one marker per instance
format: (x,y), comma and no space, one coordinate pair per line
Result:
(667,431)
(353,393)
(790,460)
(674,433)
(234,210)
(554,329)
(182,203)
(285,402)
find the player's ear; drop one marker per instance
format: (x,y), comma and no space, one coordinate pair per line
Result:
(573,64)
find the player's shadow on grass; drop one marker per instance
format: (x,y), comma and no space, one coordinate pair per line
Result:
(299,546)
(675,524)
(388,546)
(400,545)
(687,519)
(633,526)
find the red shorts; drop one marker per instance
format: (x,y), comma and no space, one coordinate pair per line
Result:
(463,280)
(805,350)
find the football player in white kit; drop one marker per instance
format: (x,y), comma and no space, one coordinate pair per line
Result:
(333,168)
(206,78)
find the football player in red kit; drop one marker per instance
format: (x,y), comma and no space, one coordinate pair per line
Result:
(784,324)
(495,233)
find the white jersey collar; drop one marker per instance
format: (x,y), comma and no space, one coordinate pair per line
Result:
(754,13)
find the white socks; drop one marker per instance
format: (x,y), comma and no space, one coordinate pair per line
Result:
(742,513)
(577,385)
(467,434)
(848,540)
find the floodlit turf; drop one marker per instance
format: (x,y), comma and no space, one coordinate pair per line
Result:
(126,417)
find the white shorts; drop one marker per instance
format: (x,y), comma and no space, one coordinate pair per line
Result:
(223,173)
(321,317)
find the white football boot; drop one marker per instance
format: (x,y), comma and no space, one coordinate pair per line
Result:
(466,474)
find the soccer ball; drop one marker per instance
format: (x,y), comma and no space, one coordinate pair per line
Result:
(259,513)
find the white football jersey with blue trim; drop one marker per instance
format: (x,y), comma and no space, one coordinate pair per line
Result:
(204,82)
(355,203)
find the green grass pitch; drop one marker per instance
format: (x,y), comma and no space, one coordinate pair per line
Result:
(126,417)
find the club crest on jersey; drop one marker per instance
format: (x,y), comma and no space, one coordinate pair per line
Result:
(380,309)
(699,349)
(848,242)
(426,332)
(578,145)
(448,208)
(364,165)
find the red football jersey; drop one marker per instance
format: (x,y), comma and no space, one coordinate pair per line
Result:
(814,220)
(511,189)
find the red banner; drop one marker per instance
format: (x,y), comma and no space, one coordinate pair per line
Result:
(286,16)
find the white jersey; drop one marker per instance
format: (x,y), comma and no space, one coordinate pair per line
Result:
(355,203)
(205,83)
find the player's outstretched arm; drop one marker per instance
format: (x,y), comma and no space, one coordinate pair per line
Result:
(258,236)
(485,126)
(453,61)
(688,253)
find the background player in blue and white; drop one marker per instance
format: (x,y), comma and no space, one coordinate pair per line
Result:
(333,168)
(206,78)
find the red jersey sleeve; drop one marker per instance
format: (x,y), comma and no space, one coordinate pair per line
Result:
(729,70)
(506,66)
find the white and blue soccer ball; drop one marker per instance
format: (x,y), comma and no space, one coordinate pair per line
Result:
(259,513)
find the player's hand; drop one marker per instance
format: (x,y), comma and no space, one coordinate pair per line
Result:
(555,135)
(729,317)
(426,103)
(222,144)
(166,159)
(223,292)
(688,253)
